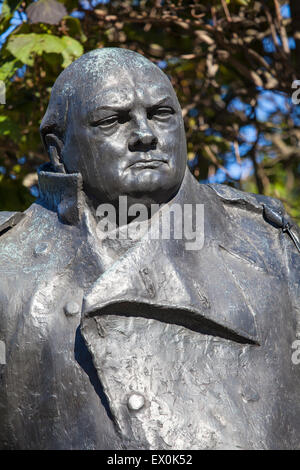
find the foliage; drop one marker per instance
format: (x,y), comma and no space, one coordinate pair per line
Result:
(232,63)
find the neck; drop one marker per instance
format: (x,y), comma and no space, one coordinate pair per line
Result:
(64,193)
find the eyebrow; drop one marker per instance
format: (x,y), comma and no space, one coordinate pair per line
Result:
(164,100)
(108,107)
(126,107)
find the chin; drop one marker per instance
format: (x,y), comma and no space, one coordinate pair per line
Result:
(152,194)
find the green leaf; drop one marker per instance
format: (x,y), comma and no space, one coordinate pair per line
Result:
(8,69)
(243,3)
(25,46)
(5,12)
(8,7)
(71,50)
(17,168)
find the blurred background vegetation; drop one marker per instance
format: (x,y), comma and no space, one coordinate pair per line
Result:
(233,63)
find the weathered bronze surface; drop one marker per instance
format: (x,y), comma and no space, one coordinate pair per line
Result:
(141,343)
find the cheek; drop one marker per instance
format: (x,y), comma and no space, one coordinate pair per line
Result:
(107,152)
(109,144)
(172,137)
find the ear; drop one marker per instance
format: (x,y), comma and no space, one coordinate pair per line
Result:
(54,147)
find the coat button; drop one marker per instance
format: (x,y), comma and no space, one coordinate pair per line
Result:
(135,402)
(41,248)
(71,308)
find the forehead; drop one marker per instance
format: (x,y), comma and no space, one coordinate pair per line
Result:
(125,88)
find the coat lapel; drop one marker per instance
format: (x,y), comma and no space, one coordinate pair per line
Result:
(160,279)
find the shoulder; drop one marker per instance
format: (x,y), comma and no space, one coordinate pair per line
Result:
(250,201)
(18,230)
(272,209)
(9,219)
(33,246)
(258,208)
(269,209)
(12,222)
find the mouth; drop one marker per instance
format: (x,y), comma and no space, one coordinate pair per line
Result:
(143,164)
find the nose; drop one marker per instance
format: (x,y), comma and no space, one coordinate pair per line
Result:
(142,137)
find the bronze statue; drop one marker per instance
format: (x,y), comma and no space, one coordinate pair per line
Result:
(143,342)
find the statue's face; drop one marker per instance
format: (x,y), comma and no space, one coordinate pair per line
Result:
(126,137)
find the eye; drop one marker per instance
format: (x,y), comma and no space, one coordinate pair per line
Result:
(106,122)
(162,112)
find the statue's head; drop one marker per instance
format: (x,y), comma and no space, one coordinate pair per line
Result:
(114,117)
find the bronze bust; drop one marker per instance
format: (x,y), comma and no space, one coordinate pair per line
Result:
(143,342)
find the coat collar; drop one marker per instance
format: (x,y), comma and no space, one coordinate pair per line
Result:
(62,193)
(160,279)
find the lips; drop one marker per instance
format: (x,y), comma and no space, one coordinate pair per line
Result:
(147,163)
(150,164)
